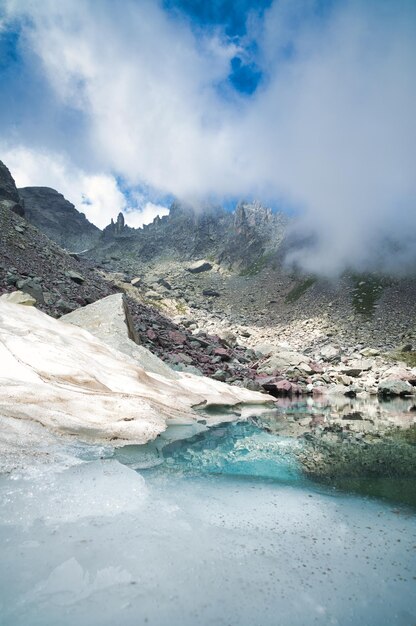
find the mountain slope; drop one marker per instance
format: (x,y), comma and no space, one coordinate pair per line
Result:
(58,218)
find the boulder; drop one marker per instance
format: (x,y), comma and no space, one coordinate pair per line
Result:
(199,266)
(369,352)
(77,278)
(355,367)
(281,361)
(109,319)
(19,297)
(330,353)
(395,388)
(32,287)
(282,388)
(211,293)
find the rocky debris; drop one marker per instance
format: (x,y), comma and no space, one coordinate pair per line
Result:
(55,216)
(31,262)
(177,343)
(199,266)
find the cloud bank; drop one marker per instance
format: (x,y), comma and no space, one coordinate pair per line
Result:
(329,132)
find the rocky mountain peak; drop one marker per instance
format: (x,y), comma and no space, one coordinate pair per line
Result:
(9,195)
(251,215)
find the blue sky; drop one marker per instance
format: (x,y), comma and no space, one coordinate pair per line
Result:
(307,105)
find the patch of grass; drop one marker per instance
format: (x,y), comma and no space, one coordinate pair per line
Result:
(407,357)
(181,308)
(156,304)
(366,291)
(257,266)
(298,290)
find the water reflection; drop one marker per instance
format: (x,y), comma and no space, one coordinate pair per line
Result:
(340,443)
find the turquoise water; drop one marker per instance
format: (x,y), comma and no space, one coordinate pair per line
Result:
(220,529)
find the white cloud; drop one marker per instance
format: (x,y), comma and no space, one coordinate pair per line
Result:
(146,215)
(330,131)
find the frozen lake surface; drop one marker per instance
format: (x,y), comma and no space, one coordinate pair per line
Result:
(223,530)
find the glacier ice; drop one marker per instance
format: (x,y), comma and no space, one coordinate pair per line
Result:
(198,539)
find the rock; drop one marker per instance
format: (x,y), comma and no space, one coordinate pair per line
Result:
(343,379)
(164,283)
(222,353)
(152,295)
(110,320)
(282,361)
(31,287)
(395,388)
(77,278)
(64,306)
(136,282)
(356,366)
(219,375)
(369,352)
(11,279)
(330,353)
(189,369)
(263,349)
(181,358)
(199,266)
(282,388)
(19,297)
(211,292)
(177,337)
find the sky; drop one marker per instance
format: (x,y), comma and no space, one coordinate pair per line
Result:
(307,105)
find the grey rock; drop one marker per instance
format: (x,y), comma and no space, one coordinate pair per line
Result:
(77,278)
(32,287)
(199,266)
(211,293)
(395,388)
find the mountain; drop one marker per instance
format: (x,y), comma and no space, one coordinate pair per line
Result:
(31,262)
(236,239)
(9,196)
(58,218)
(246,287)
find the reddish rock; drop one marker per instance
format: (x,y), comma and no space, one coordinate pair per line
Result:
(176,337)
(282,388)
(151,334)
(222,353)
